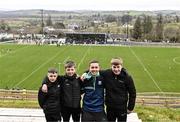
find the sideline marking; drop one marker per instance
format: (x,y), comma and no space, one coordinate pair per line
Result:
(85,54)
(145,69)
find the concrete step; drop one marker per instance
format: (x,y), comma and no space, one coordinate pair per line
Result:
(21,115)
(37,115)
(133,117)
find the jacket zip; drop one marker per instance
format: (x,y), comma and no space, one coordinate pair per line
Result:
(72,93)
(94,83)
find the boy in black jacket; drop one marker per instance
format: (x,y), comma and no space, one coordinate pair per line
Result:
(120,91)
(50,101)
(71,92)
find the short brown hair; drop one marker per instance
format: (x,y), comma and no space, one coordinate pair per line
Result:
(93,61)
(69,64)
(116,61)
(52,70)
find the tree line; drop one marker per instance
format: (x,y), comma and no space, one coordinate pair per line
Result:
(144,28)
(137,28)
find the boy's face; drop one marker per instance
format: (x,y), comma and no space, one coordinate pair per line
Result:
(70,71)
(52,77)
(116,69)
(94,68)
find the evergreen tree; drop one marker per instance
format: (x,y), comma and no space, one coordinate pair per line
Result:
(177,18)
(137,32)
(126,19)
(147,26)
(159,27)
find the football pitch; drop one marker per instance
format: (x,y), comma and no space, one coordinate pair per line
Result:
(154,69)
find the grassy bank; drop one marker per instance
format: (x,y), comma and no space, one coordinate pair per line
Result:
(18,104)
(157,114)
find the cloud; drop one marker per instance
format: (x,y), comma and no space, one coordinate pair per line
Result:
(91,4)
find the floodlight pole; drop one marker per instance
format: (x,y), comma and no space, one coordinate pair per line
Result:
(127,27)
(127,31)
(42,22)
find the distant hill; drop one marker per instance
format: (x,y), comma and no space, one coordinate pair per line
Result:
(33,12)
(37,12)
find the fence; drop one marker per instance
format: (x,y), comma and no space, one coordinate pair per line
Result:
(148,99)
(18,95)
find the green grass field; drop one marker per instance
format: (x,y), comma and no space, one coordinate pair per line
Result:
(154,69)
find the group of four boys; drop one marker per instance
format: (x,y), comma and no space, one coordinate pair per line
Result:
(61,95)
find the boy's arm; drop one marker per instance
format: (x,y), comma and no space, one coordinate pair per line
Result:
(44,85)
(45,80)
(83,77)
(81,83)
(102,72)
(41,97)
(132,94)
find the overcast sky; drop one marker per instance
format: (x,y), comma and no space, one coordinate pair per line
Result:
(91,4)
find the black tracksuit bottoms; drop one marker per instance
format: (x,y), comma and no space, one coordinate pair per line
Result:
(56,117)
(94,116)
(113,114)
(68,111)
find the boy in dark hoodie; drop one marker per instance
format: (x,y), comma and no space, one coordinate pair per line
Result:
(50,101)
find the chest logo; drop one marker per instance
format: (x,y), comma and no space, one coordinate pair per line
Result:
(120,81)
(99,82)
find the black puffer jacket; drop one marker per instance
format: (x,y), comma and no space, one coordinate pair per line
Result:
(50,102)
(71,91)
(120,90)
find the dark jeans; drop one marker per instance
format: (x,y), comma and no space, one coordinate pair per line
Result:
(68,111)
(94,116)
(113,114)
(53,117)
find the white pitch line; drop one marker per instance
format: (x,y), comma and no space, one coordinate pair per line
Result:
(85,54)
(58,67)
(149,74)
(39,68)
(66,59)
(174,60)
